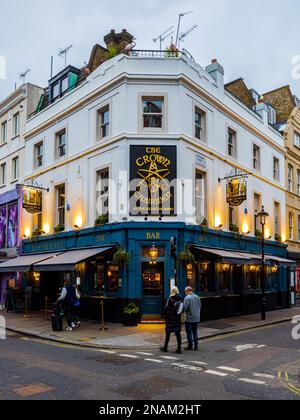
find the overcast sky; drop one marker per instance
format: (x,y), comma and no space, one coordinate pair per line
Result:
(254,39)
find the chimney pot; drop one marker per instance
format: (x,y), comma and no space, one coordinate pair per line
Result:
(214,61)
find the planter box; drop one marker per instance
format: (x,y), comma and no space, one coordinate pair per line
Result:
(130,320)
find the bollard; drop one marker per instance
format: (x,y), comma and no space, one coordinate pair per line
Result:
(102,316)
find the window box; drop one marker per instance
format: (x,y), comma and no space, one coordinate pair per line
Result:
(59,228)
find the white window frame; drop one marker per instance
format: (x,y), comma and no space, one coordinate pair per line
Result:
(200,212)
(276,171)
(297,139)
(155,97)
(15,167)
(202,126)
(16,126)
(277,223)
(37,156)
(233,145)
(3,174)
(4,132)
(106,194)
(101,125)
(58,208)
(256,157)
(58,135)
(290,178)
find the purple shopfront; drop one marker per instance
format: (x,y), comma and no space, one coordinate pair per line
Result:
(10,203)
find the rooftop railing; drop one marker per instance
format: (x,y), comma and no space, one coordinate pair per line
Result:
(154,53)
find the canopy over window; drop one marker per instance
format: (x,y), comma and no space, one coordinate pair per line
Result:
(24,263)
(68,260)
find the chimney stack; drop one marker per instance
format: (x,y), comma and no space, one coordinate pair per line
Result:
(119,40)
(216,71)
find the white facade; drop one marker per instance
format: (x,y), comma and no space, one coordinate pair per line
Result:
(120,84)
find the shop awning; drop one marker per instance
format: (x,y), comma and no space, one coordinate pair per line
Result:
(68,260)
(229,257)
(281,261)
(23,263)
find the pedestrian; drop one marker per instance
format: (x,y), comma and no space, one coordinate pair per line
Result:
(192,309)
(69,296)
(172,313)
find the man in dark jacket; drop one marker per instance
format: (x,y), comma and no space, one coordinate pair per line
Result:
(173,320)
(68,296)
(192,308)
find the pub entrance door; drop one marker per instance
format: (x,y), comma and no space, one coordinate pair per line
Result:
(153,277)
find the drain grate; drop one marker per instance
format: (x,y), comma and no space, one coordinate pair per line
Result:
(144,390)
(30,390)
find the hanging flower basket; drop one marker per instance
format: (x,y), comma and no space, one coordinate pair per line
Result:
(121,258)
(186,256)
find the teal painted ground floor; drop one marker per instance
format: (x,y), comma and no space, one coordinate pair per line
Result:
(223,268)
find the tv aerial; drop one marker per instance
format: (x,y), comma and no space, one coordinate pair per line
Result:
(23,75)
(162,37)
(185,34)
(180,16)
(62,53)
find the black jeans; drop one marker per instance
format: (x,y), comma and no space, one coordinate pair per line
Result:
(192,333)
(178,337)
(69,311)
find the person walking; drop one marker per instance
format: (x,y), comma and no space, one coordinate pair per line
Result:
(192,309)
(172,313)
(69,296)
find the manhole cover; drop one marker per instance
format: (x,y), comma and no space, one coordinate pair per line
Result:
(113,360)
(147,389)
(29,390)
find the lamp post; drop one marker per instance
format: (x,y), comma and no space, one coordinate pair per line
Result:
(262,215)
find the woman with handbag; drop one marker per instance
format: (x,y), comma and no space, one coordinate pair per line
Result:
(173,312)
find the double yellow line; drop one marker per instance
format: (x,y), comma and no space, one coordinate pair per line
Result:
(284,379)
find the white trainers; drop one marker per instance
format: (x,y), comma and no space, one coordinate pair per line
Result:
(69,329)
(73,325)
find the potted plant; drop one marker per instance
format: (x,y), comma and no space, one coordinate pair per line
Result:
(234,228)
(186,256)
(59,228)
(37,232)
(101,220)
(258,233)
(121,258)
(131,312)
(204,225)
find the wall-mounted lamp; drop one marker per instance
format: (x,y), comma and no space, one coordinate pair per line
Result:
(225,268)
(153,253)
(274,269)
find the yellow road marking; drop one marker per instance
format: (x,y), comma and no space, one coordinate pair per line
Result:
(287,383)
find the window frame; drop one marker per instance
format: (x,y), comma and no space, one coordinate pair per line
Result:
(276,174)
(106,194)
(58,135)
(3,174)
(15,168)
(256,159)
(39,156)
(106,108)
(202,196)
(202,126)
(154,97)
(60,208)
(231,132)
(4,133)
(290,178)
(291,226)
(16,127)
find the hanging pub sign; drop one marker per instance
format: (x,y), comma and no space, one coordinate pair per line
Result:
(236,191)
(32,200)
(153,177)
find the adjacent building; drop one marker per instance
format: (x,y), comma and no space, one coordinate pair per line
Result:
(146,170)
(287,107)
(14,112)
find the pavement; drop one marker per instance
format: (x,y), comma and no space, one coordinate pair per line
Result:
(144,337)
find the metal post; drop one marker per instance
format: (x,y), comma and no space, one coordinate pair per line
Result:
(102,316)
(263,277)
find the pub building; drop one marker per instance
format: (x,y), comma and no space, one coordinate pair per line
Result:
(141,176)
